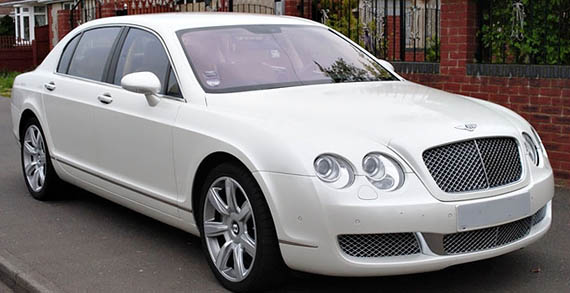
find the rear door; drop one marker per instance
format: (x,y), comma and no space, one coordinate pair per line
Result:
(70,94)
(134,139)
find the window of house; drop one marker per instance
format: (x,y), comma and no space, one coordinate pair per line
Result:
(92,52)
(27,18)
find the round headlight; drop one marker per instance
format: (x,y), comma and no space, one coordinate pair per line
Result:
(531,148)
(334,170)
(382,171)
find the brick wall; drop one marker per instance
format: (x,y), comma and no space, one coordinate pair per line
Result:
(63,25)
(544,102)
(6,10)
(292,7)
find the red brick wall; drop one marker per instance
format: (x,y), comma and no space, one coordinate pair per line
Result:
(545,103)
(6,10)
(63,25)
(292,8)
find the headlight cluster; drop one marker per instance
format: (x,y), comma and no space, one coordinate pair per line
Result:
(334,170)
(531,149)
(382,171)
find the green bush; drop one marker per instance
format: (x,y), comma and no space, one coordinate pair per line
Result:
(544,37)
(7,26)
(6,82)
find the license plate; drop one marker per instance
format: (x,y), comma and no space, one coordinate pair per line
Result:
(492,212)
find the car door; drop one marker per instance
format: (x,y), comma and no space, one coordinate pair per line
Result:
(70,94)
(134,139)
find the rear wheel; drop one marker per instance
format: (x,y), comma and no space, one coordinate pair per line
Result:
(237,231)
(40,177)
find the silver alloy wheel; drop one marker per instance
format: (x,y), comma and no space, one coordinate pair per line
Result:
(229,229)
(34,156)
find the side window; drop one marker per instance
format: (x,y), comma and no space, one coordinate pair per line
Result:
(172,88)
(66,56)
(142,51)
(92,52)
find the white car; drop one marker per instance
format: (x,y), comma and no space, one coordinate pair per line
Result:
(283,144)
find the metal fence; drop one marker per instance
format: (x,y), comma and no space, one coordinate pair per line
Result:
(524,32)
(83,11)
(402,30)
(7,42)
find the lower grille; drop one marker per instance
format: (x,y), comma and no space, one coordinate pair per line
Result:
(379,245)
(483,239)
(539,216)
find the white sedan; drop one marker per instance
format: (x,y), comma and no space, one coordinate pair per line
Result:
(283,144)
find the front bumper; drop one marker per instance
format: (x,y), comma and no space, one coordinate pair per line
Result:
(309,217)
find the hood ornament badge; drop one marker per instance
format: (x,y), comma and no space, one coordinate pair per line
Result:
(467,126)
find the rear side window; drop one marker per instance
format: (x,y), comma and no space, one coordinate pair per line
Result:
(142,51)
(66,56)
(92,52)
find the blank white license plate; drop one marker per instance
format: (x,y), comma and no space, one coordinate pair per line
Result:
(493,212)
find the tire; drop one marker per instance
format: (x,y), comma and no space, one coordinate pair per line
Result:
(231,231)
(36,162)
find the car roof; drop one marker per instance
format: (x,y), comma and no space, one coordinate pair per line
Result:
(186,20)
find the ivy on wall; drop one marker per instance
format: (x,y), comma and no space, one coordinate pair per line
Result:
(525,32)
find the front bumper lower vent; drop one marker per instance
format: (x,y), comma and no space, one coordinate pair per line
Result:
(379,245)
(402,244)
(493,237)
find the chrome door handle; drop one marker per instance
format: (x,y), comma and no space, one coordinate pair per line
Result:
(105,99)
(50,86)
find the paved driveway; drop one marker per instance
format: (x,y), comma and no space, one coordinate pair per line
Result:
(85,243)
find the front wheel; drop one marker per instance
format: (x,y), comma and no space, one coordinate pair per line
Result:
(40,177)
(237,231)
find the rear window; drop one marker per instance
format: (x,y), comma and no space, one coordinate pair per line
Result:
(241,58)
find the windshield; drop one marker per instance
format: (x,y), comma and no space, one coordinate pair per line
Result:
(252,57)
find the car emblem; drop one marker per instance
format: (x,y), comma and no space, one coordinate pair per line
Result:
(467,126)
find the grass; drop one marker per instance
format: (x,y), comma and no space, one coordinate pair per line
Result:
(6,82)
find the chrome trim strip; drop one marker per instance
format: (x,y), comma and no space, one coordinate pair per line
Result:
(121,185)
(297,244)
(424,247)
(483,163)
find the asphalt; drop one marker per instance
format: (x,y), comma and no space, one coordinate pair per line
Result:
(84,243)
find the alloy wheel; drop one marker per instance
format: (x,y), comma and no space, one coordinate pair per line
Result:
(229,229)
(34,156)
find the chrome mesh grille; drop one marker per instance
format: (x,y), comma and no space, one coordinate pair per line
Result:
(487,238)
(379,245)
(539,216)
(492,237)
(474,164)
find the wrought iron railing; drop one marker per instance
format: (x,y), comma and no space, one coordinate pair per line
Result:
(398,30)
(83,11)
(524,32)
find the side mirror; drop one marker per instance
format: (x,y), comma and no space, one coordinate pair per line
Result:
(145,83)
(387,65)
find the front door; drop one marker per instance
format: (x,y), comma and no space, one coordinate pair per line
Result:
(134,139)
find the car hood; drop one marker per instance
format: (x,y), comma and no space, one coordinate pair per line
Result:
(403,115)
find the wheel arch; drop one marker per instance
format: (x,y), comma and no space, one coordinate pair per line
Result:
(26,115)
(206,165)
